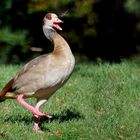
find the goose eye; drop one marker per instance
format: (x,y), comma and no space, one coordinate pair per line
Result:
(48,16)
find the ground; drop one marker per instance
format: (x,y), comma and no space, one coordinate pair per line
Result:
(99,102)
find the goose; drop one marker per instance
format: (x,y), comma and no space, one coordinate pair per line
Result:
(43,75)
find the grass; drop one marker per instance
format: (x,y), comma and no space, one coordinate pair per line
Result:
(99,102)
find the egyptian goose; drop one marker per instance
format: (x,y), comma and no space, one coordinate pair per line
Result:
(42,76)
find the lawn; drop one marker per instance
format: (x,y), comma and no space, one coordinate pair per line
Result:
(99,102)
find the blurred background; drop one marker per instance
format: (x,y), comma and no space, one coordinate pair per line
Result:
(96,30)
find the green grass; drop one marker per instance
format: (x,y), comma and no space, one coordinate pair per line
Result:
(99,102)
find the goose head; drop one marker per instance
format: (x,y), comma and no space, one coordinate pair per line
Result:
(52,21)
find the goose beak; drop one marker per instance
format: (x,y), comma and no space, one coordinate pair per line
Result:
(56,24)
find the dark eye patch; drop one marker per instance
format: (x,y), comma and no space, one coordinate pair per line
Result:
(48,16)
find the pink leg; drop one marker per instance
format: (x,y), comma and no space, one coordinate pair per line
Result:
(36,123)
(36,118)
(39,103)
(35,111)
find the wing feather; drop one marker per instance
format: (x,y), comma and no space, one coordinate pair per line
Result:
(7,88)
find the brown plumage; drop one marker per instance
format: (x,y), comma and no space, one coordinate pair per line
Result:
(42,76)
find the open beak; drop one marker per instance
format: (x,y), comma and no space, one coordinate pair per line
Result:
(56,23)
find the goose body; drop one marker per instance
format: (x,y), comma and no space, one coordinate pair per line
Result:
(44,75)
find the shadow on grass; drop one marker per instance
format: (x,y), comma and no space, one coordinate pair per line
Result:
(66,115)
(18,118)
